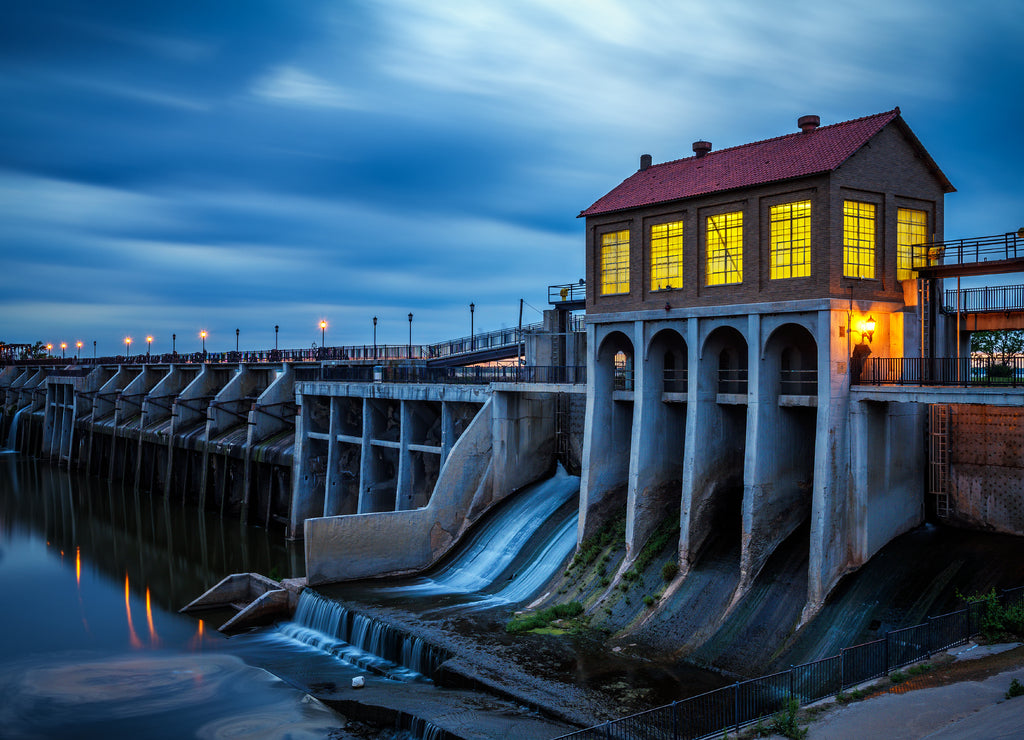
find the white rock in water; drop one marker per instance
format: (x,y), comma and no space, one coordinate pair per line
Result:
(358,682)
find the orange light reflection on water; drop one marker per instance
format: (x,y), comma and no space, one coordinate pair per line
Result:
(149,620)
(132,636)
(78,567)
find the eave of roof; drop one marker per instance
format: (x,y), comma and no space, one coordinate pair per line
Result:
(793,155)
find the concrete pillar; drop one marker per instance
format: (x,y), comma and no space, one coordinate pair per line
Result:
(307,501)
(332,484)
(447,430)
(656,447)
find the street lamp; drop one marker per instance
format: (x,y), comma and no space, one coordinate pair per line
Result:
(49,347)
(202,335)
(237,332)
(63,346)
(94,349)
(78,355)
(472,342)
(174,344)
(276,329)
(410,335)
(127,346)
(323,332)
(375,337)
(149,345)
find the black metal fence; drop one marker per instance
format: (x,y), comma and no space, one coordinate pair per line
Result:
(983,300)
(732,707)
(1006,371)
(967,251)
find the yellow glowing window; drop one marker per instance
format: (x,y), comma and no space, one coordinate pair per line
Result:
(858,239)
(725,248)
(667,256)
(791,240)
(615,262)
(912,229)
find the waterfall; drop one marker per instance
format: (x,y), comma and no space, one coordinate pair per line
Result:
(495,546)
(12,437)
(360,640)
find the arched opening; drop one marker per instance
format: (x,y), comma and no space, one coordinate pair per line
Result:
(716,521)
(608,437)
(779,494)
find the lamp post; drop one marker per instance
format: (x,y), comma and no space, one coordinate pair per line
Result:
(472,341)
(323,333)
(202,335)
(174,344)
(410,335)
(94,349)
(49,348)
(375,337)
(127,346)
(237,332)
(149,345)
(63,346)
(78,345)
(276,329)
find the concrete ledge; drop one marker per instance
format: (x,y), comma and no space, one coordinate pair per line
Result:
(792,400)
(939,394)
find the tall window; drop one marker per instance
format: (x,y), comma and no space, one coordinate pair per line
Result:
(791,240)
(858,239)
(615,262)
(912,229)
(667,256)
(725,248)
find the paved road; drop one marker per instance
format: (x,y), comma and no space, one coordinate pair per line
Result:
(969,709)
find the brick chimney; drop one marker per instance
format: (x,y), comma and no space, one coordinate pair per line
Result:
(700,148)
(645,161)
(808,123)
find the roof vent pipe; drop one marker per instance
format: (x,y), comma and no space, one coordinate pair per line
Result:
(700,148)
(808,123)
(645,161)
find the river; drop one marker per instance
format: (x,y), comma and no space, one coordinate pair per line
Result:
(91,642)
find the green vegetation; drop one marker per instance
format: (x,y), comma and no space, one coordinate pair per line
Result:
(897,677)
(845,697)
(995,620)
(918,670)
(542,620)
(1016,689)
(669,570)
(648,600)
(784,723)
(612,534)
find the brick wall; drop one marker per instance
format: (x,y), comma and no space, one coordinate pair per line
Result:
(886,172)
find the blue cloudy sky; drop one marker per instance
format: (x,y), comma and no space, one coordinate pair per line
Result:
(172,166)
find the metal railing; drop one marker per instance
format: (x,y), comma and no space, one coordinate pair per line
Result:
(567,292)
(980,371)
(480,375)
(994,298)
(968,251)
(733,380)
(730,708)
(676,381)
(509,337)
(798,382)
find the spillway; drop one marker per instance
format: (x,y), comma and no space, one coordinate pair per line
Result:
(506,560)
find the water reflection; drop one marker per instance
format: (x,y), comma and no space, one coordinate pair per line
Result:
(91,644)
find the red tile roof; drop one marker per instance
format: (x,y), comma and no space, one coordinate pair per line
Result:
(794,155)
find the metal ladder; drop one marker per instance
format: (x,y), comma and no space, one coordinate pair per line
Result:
(938,457)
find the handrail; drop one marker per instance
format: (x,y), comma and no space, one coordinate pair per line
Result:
(986,299)
(977,371)
(967,251)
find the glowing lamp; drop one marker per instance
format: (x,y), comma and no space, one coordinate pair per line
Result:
(868,328)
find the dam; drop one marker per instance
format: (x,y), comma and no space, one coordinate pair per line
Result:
(761,383)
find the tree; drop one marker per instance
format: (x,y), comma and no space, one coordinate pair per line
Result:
(35,352)
(1006,342)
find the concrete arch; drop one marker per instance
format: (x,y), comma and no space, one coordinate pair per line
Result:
(607,443)
(779,481)
(713,488)
(659,434)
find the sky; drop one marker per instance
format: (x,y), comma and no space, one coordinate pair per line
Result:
(167,167)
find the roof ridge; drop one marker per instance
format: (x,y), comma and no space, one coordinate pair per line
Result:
(894,112)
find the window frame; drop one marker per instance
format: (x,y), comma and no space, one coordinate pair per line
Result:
(730,241)
(788,247)
(905,264)
(674,255)
(620,266)
(856,245)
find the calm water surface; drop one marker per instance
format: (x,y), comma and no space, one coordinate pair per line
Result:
(91,644)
